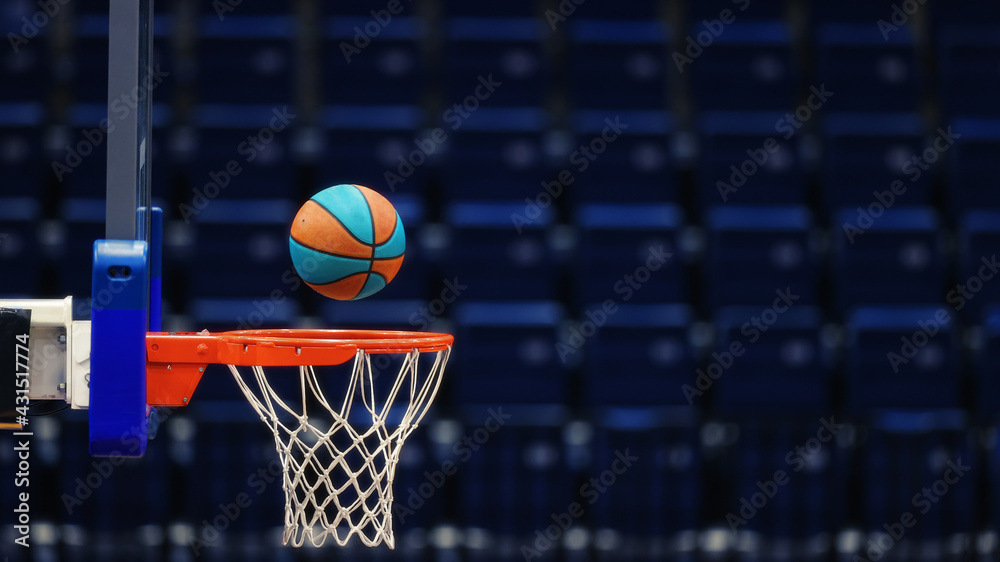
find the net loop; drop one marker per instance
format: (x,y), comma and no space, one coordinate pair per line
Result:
(338,469)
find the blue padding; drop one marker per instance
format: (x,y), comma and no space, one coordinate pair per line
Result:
(740,122)
(236,115)
(862,34)
(758,218)
(118,350)
(626,217)
(506,119)
(19,208)
(896,219)
(620,31)
(540,313)
(493,215)
(876,124)
(257,211)
(493,29)
(892,318)
(372,117)
(14,114)
(918,422)
(401,27)
(761,33)
(253,27)
(976,129)
(649,122)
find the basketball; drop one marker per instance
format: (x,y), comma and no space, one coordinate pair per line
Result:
(347,242)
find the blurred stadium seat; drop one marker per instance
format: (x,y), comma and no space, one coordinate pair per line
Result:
(976,289)
(754,252)
(498,258)
(639,357)
(867,153)
(893,258)
(970,168)
(618,239)
(750,158)
(511,357)
(359,69)
(770,363)
(888,345)
(620,157)
(868,71)
(480,52)
(754,57)
(619,65)
(19,249)
(966,55)
(246,60)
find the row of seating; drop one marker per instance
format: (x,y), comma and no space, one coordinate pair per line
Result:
(625,64)
(635,478)
(740,158)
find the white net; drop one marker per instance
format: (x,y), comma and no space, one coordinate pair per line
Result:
(338,470)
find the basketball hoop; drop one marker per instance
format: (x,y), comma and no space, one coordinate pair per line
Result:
(338,469)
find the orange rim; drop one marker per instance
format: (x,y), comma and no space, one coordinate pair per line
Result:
(175,362)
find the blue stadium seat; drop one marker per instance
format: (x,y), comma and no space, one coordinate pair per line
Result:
(854,11)
(246,60)
(616,240)
(976,289)
(890,348)
(84,221)
(381,147)
(90,72)
(867,71)
(958,14)
(657,466)
(970,165)
(619,157)
(987,366)
(926,464)
(25,66)
(894,258)
(742,10)
(776,361)
(83,156)
(755,251)
(516,476)
(226,8)
(507,142)
(757,56)
(240,152)
(495,62)
(866,152)
(20,257)
(384,68)
(21,151)
(619,64)
(965,55)
(636,10)
(640,357)
(492,8)
(508,354)
(498,258)
(750,158)
(241,251)
(811,499)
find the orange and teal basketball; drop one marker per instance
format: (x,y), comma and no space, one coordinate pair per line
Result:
(347,242)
